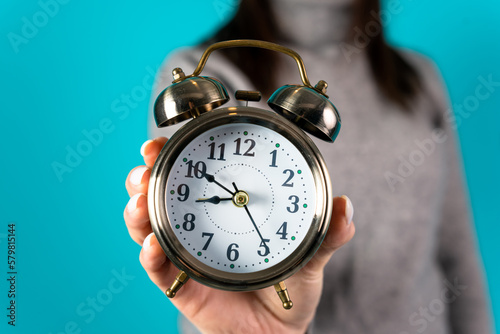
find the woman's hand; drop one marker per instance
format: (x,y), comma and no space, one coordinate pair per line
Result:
(217,311)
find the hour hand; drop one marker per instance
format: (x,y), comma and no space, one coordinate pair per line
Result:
(213,199)
(210,178)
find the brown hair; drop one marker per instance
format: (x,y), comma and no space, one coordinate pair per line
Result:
(395,77)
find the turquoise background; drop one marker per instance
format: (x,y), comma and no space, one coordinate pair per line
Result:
(71,238)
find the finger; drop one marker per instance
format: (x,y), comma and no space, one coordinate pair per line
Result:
(341,230)
(151,148)
(137,218)
(159,269)
(163,272)
(138,180)
(341,226)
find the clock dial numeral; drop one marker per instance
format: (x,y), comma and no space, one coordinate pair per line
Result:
(200,168)
(232,252)
(183,190)
(273,160)
(290,177)
(212,152)
(248,152)
(295,201)
(210,236)
(266,250)
(282,231)
(188,224)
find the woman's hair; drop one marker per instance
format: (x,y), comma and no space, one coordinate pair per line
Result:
(395,77)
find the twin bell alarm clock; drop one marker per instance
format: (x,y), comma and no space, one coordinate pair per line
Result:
(240,197)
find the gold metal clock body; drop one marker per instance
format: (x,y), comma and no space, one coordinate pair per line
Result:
(192,266)
(297,108)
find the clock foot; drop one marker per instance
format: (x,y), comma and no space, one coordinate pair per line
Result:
(283,294)
(180,279)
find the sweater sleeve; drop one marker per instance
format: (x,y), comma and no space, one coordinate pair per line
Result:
(464,287)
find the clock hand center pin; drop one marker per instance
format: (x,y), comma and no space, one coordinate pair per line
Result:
(240,198)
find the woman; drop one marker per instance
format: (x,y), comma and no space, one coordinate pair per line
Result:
(413,266)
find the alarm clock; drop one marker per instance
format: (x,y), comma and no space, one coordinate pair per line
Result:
(240,197)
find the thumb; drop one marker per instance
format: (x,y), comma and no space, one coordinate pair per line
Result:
(341,230)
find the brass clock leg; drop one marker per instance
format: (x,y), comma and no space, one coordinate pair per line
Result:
(283,294)
(180,279)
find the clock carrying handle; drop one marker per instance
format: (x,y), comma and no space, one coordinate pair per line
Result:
(254,44)
(307,106)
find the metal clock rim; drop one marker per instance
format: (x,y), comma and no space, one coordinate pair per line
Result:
(222,279)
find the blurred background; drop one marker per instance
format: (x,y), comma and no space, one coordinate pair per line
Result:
(66,66)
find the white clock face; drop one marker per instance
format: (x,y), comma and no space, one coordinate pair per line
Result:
(240,198)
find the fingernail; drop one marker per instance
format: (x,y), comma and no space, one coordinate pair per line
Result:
(136,176)
(143,147)
(132,203)
(349,209)
(147,242)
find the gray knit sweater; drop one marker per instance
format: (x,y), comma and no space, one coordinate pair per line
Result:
(413,265)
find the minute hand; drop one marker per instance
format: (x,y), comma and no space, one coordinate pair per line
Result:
(251,218)
(254,225)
